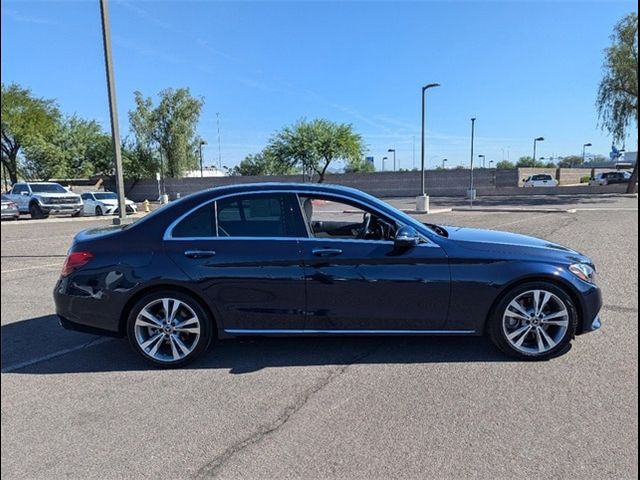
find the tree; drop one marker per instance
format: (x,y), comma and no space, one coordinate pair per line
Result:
(617,99)
(359,165)
(314,145)
(264,163)
(570,161)
(505,164)
(529,162)
(26,121)
(169,127)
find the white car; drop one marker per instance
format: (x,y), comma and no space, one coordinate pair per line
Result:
(540,180)
(104,203)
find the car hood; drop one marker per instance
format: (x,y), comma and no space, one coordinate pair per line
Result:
(507,242)
(56,195)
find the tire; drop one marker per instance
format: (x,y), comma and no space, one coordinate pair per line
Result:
(99,211)
(36,212)
(155,340)
(524,334)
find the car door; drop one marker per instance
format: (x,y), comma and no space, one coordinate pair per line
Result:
(357,285)
(20,195)
(242,253)
(89,204)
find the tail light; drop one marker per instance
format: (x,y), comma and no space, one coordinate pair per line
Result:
(74,261)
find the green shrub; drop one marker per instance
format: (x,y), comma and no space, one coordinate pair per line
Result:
(585,179)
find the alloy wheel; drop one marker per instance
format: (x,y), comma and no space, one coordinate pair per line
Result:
(535,322)
(167,330)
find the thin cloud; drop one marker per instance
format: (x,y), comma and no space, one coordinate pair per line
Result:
(18,17)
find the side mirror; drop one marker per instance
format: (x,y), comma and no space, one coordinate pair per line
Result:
(26,194)
(406,237)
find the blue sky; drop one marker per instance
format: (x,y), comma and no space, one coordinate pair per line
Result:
(523,68)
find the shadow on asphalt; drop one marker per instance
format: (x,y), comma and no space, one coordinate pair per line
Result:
(27,340)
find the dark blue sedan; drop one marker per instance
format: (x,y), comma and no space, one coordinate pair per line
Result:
(308,259)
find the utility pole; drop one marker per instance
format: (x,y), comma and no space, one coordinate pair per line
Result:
(115,131)
(471,192)
(219,149)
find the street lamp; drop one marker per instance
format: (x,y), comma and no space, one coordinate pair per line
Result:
(483,159)
(383,159)
(535,140)
(490,162)
(443,161)
(583,150)
(394,157)
(202,142)
(422,202)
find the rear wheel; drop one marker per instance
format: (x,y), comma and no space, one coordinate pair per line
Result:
(534,321)
(99,211)
(169,328)
(36,212)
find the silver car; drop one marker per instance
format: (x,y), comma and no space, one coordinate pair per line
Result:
(9,209)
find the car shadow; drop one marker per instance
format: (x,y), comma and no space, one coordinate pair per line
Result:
(40,346)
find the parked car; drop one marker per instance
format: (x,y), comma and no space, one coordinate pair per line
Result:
(41,199)
(610,178)
(9,209)
(540,180)
(104,203)
(273,259)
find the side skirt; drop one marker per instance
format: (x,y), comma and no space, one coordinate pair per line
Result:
(233,331)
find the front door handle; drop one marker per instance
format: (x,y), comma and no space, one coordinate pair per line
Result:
(199,253)
(326,252)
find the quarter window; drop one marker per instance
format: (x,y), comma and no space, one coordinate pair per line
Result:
(199,224)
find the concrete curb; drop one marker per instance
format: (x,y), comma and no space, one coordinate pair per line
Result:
(424,212)
(30,221)
(513,210)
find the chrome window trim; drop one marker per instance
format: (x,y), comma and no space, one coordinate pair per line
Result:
(288,331)
(169,230)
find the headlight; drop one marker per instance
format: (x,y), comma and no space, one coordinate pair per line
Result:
(584,272)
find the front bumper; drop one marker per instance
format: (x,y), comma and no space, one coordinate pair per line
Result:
(61,209)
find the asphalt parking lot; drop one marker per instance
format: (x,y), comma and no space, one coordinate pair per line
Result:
(79,406)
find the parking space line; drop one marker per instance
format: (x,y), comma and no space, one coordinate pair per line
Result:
(48,265)
(528,219)
(53,355)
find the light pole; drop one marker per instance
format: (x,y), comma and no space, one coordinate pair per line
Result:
(383,159)
(443,162)
(490,162)
(202,142)
(471,191)
(394,157)
(483,158)
(422,202)
(113,112)
(535,140)
(583,150)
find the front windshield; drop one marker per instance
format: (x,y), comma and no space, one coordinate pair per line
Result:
(47,188)
(105,196)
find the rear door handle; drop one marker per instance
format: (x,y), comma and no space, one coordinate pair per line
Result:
(326,252)
(199,253)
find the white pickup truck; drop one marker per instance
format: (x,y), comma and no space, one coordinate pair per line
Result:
(41,199)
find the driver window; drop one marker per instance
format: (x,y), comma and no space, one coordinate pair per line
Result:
(334,219)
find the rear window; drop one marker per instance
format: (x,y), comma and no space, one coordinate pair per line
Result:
(542,177)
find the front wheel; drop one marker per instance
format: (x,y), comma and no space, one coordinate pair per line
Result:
(534,321)
(36,212)
(99,211)
(169,328)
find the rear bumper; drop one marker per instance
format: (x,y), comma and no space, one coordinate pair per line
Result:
(10,214)
(78,327)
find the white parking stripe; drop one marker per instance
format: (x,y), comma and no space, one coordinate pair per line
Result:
(48,265)
(59,353)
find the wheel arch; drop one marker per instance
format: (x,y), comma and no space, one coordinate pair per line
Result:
(122,325)
(554,280)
